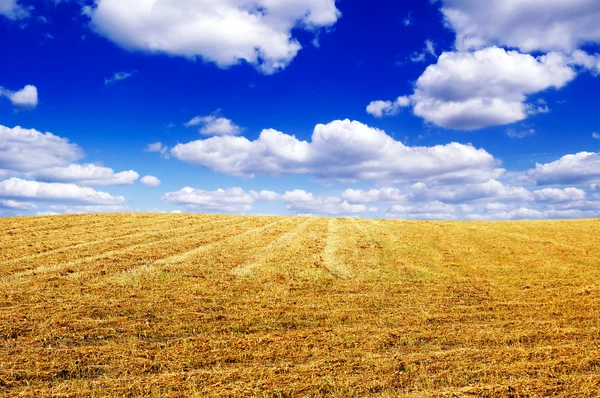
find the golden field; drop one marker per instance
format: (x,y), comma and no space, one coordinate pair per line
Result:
(205,305)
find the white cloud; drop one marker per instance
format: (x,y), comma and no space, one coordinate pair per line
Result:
(520,133)
(26,150)
(596,135)
(27,97)
(570,169)
(428,211)
(374,195)
(496,207)
(587,61)
(16,205)
(481,84)
(559,195)
(213,125)
(87,209)
(150,181)
(340,150)
(12,10)
(485,88)
(232,200)
(158,147)
(87,174)
(19,189)
(302,202)
(491,189)
(429,49)
(266,196)
(224,32)
(117,77)
(46,213)
(515,214)
(418,57)
(387,108)
(595,187)
(534,25)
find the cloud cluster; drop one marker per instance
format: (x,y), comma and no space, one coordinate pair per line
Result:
(480,84)
(490,200)
(236,200)
(41,167)
(224,32)
(343,150)
(27,97)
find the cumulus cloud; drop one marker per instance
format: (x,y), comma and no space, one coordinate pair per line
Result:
(596,135)
(11,9)
(340,150)
(387,108)
(18,189)
(87,175)
(537,25)
(26,150)
(158,147)
(485,88)
(150,181)
(579,168)
(214,125)
(224,32)
(27,97)
(117,77)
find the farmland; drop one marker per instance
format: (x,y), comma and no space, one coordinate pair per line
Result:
(208,305)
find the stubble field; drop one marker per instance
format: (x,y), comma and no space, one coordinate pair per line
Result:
(207,305)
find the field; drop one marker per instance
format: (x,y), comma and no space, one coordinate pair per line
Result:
(207,305)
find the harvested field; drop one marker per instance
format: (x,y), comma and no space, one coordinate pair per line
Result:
(206,305)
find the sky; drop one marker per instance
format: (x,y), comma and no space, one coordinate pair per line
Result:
(441,110)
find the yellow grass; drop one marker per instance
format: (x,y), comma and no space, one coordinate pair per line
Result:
(194,305)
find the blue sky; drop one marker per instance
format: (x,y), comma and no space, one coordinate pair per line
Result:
(445,109)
